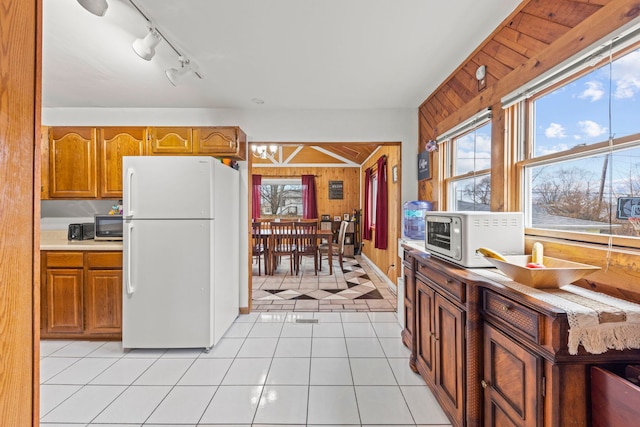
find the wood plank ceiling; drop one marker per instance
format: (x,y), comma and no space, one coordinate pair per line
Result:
(528,31)
(336,154)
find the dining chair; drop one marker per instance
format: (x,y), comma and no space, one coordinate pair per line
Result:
(337,249)
(306,243)
(282,241)
(258,249)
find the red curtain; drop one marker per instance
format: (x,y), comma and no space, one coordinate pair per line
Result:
(309,206)
(381,205)
(256,182)
(366,222)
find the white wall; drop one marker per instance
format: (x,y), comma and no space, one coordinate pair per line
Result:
(392,125)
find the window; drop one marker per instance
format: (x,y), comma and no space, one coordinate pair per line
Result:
(281,198)
(582,165)
(469,181)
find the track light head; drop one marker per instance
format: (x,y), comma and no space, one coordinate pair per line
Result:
(97,7)
(145,48)
(176,75)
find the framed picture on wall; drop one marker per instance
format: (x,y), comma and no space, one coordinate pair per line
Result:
(345,217)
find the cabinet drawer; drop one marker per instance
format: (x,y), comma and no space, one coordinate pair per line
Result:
(64,259)
(515,316)
(451,286)
(104,260)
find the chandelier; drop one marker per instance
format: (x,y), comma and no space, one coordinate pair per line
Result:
(264,151)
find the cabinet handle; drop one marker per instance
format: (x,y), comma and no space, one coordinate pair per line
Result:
(506,308)
(484,384)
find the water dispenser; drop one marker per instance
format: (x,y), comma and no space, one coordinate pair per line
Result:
(414,211)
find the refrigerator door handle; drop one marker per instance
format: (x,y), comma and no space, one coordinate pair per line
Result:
(130,288)
(129,213)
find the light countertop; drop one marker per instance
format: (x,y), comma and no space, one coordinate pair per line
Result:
(56,240)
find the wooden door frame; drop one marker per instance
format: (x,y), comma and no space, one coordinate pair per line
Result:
(20,114)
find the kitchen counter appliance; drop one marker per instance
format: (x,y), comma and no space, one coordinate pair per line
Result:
(455,236)
(82,231)
(180,251)
(108,227)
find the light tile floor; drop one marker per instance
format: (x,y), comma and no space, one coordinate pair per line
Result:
(349,369)
(354,287)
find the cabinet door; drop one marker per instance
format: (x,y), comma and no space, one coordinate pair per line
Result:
(103,302)
(409,290)
(511,382)
(170,140)
(72,163)
(114,144)
(449,355)
(425,335)
(216,141)
(64,300)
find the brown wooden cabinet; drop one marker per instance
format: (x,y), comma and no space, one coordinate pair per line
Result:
(512,377)
(103,293)
(114,143)
(73,165)
(439,338)
(63,293)
(220,141)
(81,294)
(493,356)
(408,264)
(170,140)
(86,162)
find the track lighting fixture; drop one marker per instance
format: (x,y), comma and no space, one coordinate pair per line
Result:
(175,75)
(97,7)
(145,48)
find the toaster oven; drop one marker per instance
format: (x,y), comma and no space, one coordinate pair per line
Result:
(83,231)
(455,236)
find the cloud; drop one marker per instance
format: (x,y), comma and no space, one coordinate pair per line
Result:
(626,75)
(593,92)
(555,130)
(591,129)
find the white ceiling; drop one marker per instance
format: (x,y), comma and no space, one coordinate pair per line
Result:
(298,54)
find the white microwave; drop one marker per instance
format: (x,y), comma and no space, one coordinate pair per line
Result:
(455,236)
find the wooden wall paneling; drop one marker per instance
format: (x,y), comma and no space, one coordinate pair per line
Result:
(499,157)
(523,35)
(350,177)
(20,188)
(386,259)
(621,276)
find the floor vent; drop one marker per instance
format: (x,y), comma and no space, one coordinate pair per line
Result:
(306,320)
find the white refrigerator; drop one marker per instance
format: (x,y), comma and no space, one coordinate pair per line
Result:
(180,251)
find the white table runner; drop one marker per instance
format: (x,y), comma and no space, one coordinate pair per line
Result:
(597,321)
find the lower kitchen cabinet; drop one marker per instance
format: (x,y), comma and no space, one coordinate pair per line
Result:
(493,356)
(512,376)
(439,338)
(81,295)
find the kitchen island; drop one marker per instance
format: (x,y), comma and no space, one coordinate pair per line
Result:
(80,288)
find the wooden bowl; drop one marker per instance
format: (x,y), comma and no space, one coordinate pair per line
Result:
(556,272)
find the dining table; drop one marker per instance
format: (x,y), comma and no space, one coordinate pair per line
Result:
(321,235)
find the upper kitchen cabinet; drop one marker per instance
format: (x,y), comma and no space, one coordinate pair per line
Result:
(72,163)
(114,143)
(170,140)
(220,142)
